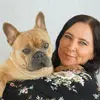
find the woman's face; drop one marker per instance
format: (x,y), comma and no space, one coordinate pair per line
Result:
(76,45)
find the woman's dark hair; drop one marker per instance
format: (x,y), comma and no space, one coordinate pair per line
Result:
(92,66)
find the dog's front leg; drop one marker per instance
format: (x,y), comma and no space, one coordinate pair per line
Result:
(4,78)
(2,84)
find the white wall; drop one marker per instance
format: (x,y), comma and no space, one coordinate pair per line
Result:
(22,13)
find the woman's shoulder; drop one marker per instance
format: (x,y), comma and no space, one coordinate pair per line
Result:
(62,78)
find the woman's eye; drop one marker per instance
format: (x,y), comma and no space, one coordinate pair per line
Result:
(67,36)
(83,43)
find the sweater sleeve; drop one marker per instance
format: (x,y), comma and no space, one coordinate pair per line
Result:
(90,89)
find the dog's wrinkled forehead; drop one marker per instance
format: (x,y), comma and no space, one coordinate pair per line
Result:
(32,38)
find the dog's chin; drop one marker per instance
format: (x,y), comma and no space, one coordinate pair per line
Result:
(32,69)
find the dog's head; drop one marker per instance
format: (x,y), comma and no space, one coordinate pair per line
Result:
(32,49)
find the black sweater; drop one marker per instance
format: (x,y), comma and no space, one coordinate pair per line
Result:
(64,85)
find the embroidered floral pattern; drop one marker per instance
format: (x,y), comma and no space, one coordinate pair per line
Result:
(96,96)
(50,87)
(41,98)
(25,90)
(66,79)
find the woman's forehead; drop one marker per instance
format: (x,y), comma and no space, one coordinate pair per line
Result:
(80,30)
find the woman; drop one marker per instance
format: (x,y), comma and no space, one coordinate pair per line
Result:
(78,44)
(76,60)
(82,24)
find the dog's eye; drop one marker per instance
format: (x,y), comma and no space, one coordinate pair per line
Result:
(26,50)
(45,45)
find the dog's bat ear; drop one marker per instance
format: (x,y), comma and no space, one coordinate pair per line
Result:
(40,21)
(10,32)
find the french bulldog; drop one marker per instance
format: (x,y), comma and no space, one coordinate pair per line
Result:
(31,53)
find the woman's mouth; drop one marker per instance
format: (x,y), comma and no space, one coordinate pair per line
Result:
(68,55)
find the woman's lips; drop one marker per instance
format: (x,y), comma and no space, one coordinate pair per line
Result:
(70,55)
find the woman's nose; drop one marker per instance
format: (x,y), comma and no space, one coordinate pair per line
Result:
(72,46)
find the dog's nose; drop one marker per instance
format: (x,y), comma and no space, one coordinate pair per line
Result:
(38,55)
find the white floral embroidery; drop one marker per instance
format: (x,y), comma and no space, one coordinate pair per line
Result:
(66,78)
(79,79)
(61,98)
(96,96)
(63,75)
(41,98)
(24,90)
(53,88)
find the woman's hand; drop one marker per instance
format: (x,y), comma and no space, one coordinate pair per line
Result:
(71,68)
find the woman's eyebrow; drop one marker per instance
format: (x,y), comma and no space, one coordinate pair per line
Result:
(69,33)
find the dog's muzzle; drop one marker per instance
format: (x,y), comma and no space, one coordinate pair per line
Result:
(40,60)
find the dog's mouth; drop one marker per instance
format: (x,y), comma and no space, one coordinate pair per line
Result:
(39,60)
